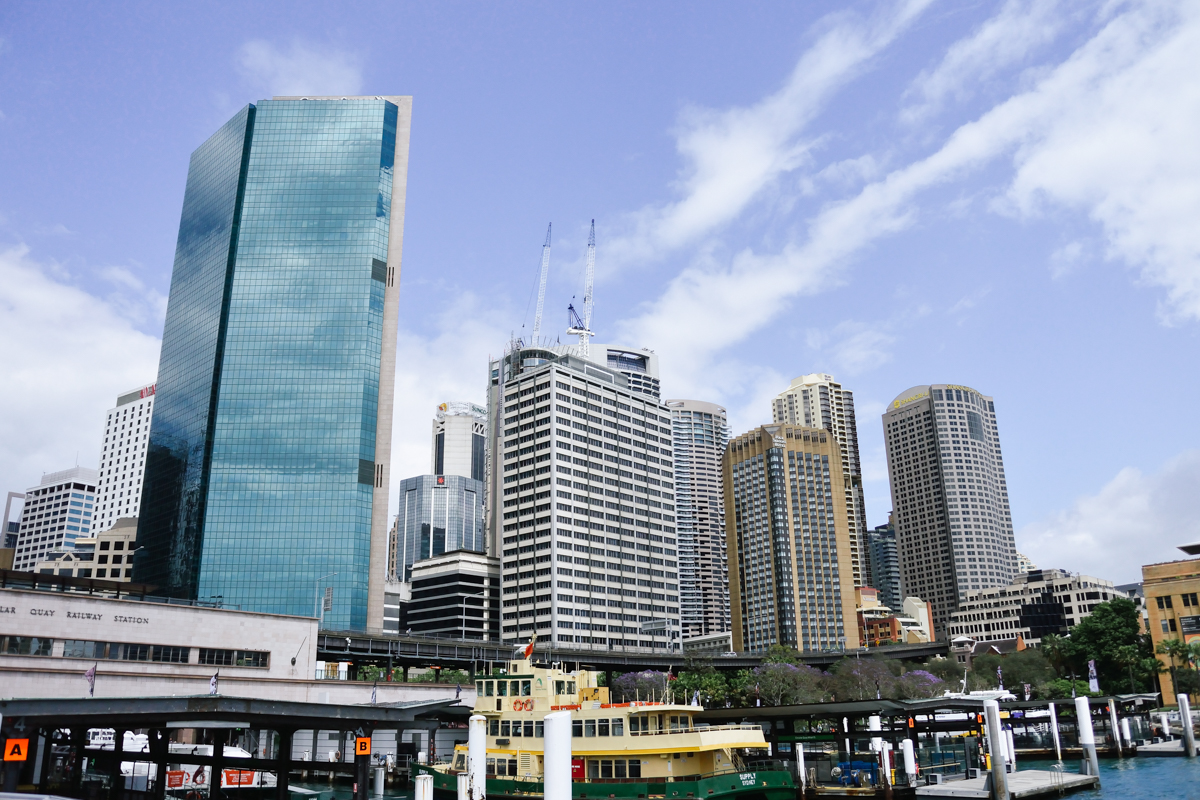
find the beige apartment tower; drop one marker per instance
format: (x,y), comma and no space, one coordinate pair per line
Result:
(818,401)
(789,540)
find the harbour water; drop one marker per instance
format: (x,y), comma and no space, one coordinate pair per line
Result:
(1138,778)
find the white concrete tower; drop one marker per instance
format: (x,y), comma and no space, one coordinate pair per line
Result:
(818,401)
(701,432)
(123,458)
(460,440)
(954,530)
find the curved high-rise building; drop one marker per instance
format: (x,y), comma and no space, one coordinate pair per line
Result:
(700,432)
(954,530)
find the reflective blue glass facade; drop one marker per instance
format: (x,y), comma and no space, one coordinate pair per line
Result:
(262,471)
(438,513)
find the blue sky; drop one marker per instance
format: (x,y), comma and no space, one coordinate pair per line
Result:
(999,194)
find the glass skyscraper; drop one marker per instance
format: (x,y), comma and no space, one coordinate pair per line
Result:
(438,514)
(269,451)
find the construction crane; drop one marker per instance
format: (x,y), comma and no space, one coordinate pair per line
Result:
(583,327)
(537,320)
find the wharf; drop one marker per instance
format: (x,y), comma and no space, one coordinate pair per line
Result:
(1162,749)
(1026,783)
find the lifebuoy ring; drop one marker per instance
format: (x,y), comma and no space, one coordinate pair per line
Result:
(198,778)
(523,705)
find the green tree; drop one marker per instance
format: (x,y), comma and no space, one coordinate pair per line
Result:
(1057,651)
(699,676)
(863,679)
(781,654)
(1027,666)
(645,685)
(1100,637)
(1175,650)
(787,684)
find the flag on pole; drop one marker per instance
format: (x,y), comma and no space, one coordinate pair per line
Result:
(1000,678)
(212,682)
(696,697)
(1093,683)
(374,689)
(90,677)
(529,647)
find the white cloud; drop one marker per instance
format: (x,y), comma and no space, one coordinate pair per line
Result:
(68,355)
(853,348)
(302,68)
(1135,519)
(1118,116)
(1008,38)
(450,364)
(732,156)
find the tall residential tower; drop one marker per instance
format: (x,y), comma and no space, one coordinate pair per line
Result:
(270,443)
(700,432)
(818,401)
(123,458)
(789,541)
(954,531)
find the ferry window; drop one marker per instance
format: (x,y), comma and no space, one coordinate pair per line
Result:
(635,768)
(570,687)
(502,688)
(636,724)
(589,727)
(606,768)
(528,727)
(515,690)
(577,727)
(487,689)
(516,727)
(593,769)
(560,687)
(526,689)
(603,727)
(619,767)
(674,723)
(494,727)
(539,729)
(479,688)
(618,727)
(505,728)
(460,761)
(512,767)
(491,766)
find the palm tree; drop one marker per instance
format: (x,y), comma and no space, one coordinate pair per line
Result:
(1127,656)
(1054,647)
(1172,649)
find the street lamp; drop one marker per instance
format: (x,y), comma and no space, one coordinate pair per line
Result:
(317,598)
(464,612)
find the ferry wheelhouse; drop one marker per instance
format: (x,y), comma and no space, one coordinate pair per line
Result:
(642,749)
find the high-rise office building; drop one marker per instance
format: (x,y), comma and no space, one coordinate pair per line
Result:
(789,540)
(699,433)
(582,498)
(271,437)
(460,440)
(885,565)
(438,513)
(818,401)
(56,512)
(123,458)
(953,527)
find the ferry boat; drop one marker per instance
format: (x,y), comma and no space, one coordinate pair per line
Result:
(637,750)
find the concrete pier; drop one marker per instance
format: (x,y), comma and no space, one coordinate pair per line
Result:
(1027,783)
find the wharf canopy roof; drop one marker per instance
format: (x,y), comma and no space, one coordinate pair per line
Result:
(157,712)
(895,708)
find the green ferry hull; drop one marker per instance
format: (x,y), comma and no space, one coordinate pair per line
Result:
(769,785)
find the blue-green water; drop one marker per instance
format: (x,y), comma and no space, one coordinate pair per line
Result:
(1140,778)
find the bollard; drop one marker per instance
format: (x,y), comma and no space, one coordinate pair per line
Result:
(1125,732)
(995,735)
(424,788)
(800,766)
(910,761)
(874,723)
(1165,721)
(477,756)
(1087,736)
(379,773)
(1054,732)
(464,786)
(556,771)
(1112,723)
(1011,754)
(1185,719)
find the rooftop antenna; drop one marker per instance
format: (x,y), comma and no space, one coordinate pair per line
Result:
(583,327)
(537,320)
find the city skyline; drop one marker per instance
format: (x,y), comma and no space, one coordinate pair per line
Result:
(995,251)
